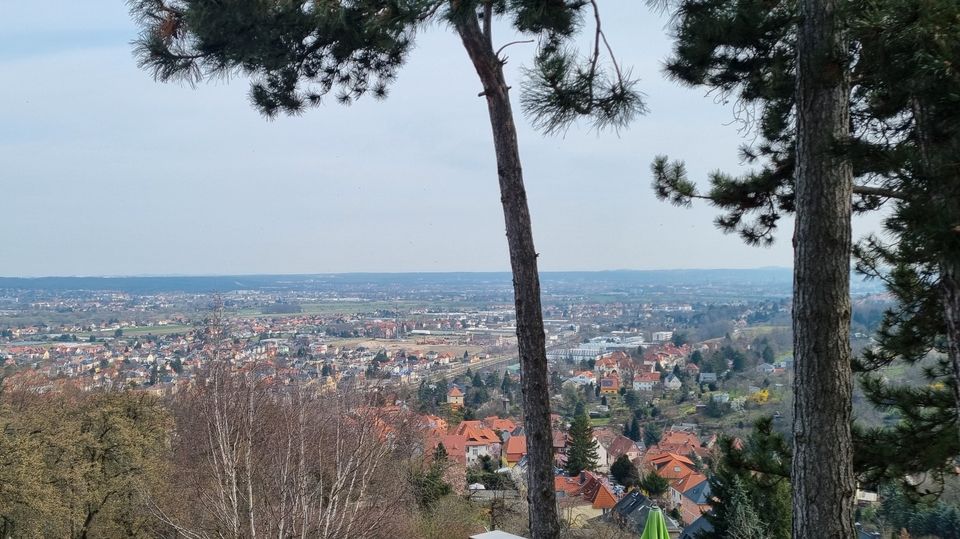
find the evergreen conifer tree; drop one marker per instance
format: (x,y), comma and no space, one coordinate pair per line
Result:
(440,454)
(582,453)
(636,432)
(428,485)
(651,434)
(743,521)
(903,128)
(298,52)
(757,469)
(910,54)
(654,485)
(621,469)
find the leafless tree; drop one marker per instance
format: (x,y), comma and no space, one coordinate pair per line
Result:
(262,459)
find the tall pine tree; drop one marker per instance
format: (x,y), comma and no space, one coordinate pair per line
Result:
(904,127)
(910,54)
(296,52)
(582,452)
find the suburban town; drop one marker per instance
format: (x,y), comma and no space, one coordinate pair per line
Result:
(480,269)
(648,388)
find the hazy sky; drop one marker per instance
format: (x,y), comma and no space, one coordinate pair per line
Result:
(105,172)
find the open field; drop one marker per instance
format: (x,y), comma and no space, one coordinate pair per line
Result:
(356,307)
(393,345)
(759,331)
(137,331)
(330,308)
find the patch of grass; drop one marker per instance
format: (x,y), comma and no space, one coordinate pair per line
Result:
(137,332)
(758,331)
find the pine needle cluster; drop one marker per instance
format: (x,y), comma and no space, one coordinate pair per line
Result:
(297,52)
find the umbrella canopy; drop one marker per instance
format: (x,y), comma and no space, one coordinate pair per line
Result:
(656,526)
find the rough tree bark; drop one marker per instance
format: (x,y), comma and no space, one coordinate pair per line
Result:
(526,281)
(822,473)
(950,285)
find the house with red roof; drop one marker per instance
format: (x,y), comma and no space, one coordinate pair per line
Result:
(679,471)
(514,450)
(566,486)
(598,492)
(480,441)
(434,425)
(680,441)
(621,445)
(646,381)
(694,502)
(455,397)
(612,362)
(456,446)
(496,424)
(586,496)
(610,385)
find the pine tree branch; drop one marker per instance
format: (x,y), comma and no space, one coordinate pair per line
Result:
(601,35)
(596,47)
(497,54)
(866,190)
(428,14)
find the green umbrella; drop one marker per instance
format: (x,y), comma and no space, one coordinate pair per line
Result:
(656,526)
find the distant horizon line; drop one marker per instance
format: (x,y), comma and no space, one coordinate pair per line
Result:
(192,275)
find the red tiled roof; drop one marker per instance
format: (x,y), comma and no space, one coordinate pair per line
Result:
(686,483)
(610,383)
(658,458)
(559,439)
(647,377)
(690,511)
(681,443)
(604,499)
(498,424)
(677,470)
(621,445)
(594,489)
(456,446)
(567,485)
(515,448)
(476,433)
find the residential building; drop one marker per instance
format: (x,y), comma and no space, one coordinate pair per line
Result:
(610,385)
(646,381)
(661,336)
(514,450)
(455,397)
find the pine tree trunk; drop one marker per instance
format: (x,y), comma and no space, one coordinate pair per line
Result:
(526,284)
(950,286)
(822,473)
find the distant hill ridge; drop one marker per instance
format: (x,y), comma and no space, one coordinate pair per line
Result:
(227,283)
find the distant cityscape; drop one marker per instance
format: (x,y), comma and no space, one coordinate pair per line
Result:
(661,363)
(143,332)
